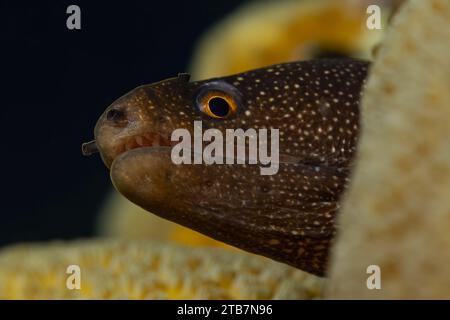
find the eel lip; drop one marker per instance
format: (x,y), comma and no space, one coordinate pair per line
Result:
(156,150)
(89,148)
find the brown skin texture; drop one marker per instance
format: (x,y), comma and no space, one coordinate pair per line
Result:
(289,216)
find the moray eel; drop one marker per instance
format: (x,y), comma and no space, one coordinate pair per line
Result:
(288,216)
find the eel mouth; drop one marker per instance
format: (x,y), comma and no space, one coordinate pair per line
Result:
(144,140)
(158,141)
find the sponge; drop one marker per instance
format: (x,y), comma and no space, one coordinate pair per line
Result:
(396,214)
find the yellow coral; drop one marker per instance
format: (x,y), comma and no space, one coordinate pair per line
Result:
(268,32)
(397,211)
(112,269)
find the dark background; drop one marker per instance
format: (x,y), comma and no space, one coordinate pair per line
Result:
(56,82)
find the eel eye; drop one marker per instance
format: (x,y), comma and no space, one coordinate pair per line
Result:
(220,107)
(218,100)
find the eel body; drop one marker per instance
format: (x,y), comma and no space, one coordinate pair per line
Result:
(288,216)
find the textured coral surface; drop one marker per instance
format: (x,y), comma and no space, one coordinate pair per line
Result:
(112,269)
(397,211)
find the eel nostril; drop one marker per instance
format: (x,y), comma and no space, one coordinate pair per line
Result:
(115,115)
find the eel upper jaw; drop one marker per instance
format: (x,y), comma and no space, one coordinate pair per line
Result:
(148,140)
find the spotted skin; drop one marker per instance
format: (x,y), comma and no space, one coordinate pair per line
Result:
(289,216)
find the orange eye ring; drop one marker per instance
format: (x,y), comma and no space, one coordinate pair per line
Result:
(219,105)
(218,100)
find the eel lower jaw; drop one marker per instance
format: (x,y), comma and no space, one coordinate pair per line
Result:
(142,176)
